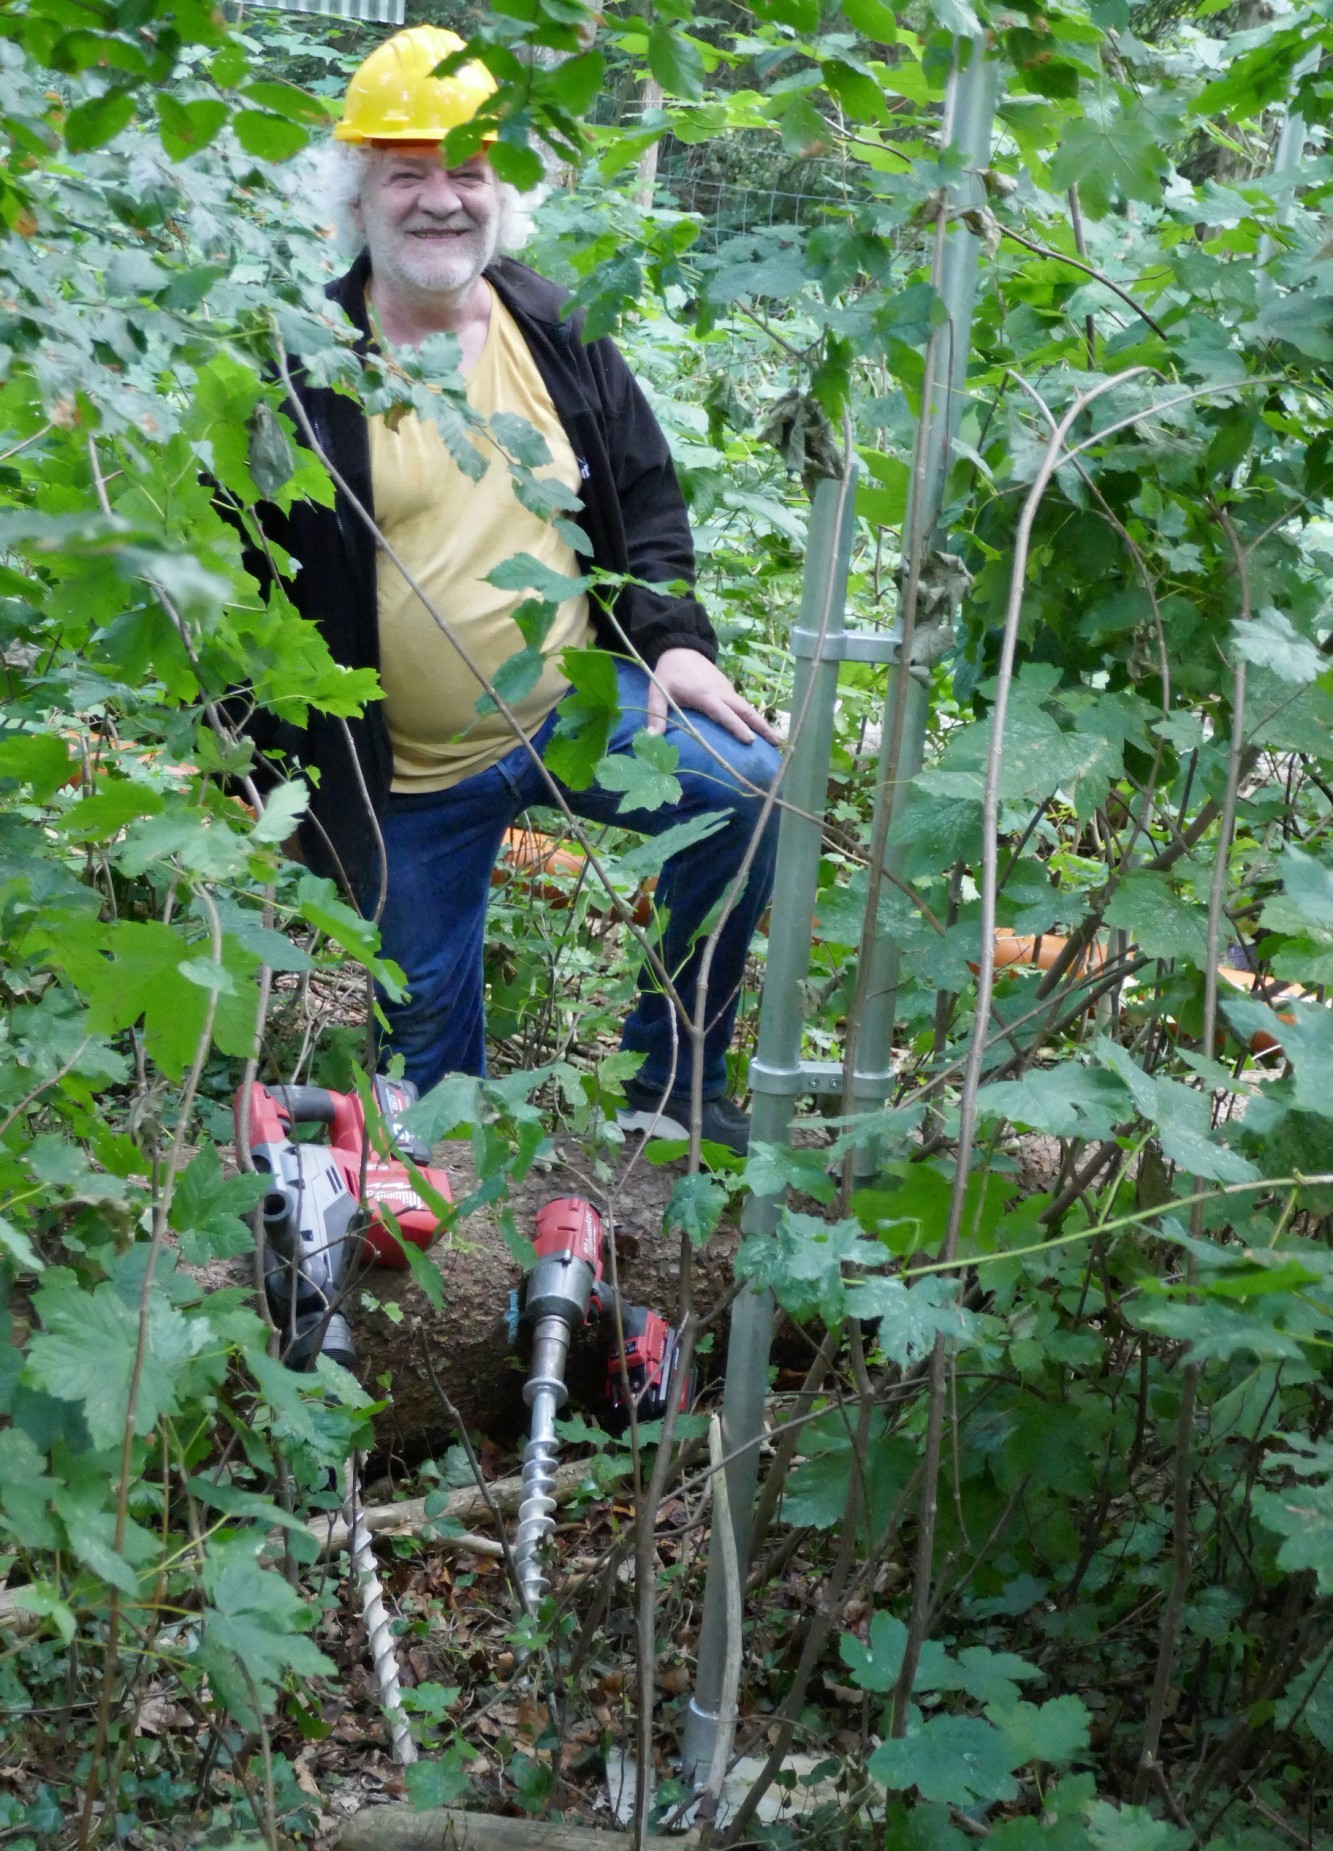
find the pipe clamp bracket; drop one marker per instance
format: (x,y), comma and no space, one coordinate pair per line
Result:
(846,645)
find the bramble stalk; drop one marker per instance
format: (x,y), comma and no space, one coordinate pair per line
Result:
(1181,1552)
(990,848)
(90,1828)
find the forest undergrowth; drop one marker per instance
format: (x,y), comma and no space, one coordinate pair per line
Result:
(1043,1544)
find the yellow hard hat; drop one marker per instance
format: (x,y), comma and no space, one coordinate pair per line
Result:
(394,97)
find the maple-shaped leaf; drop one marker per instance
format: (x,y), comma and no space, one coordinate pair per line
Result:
(1112,152)
(644,774)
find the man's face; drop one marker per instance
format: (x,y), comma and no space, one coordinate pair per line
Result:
(431,230)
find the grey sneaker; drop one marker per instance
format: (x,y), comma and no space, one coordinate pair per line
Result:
(646,1111)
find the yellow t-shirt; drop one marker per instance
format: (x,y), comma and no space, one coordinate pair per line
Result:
(450,532)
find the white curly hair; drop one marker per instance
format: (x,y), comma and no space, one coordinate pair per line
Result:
(337,174)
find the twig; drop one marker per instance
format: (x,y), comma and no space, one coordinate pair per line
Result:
(645,1575)
(731,1669)
(921,1588)
(830,1605)
(465,1440)
(269,1822)
(42,1086)
(1189,1382)
(90,1827)
(1077,263)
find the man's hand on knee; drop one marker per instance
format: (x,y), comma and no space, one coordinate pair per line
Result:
(693,683)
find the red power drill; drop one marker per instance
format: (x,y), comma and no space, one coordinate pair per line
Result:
(317,1224)
(650,1360)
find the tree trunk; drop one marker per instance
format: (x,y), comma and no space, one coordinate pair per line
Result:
(645,180)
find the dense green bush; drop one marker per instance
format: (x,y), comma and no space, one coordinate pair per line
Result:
(1094,1404)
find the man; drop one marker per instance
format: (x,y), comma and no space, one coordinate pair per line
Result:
(419,794)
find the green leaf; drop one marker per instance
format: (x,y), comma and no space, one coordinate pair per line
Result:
(103,814)
(90,1525)
(270,137)
(521,572)
(675,60)
(802,1260)
(960,1759)
(185,127)
(426,1274)
(517,165)
(1217,1331)
(91,124)
(772,1169)
(1304,1031)
(696,1207)
(876,1664)
(575,83)
(1306,903)
(289,100)
(269,453)
(86,1356)
(957,17)
(1161,924)
(1259,75)
(886,503)
(26,1490)
(19,1248)
(1303,318)
(440,1781)
(1112,152)
(1303,1517)
(647,858)
(519,439)
(1055,1733)
(515,679)
(584,717)
(1271,640)
(815,1492)
(1068,1100)
(991,1677)
(452,1106)
(253,1630)
(910,1318)
(39,760)
(801,14)
(644,774)
(207,1209)
(1132,1828)
(873,19)
(208,974)
(43,1600)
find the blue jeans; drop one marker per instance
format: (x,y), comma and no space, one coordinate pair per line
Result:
(442,847)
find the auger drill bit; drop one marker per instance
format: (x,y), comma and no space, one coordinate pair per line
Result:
(556,1296)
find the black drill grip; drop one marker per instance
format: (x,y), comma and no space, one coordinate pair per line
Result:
(305,1105)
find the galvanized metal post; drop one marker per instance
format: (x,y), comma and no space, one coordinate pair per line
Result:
(778,1074)
(969,115)
(1288,154)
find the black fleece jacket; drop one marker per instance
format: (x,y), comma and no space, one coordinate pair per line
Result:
(632,512)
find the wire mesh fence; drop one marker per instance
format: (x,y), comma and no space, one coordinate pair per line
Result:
(373,12)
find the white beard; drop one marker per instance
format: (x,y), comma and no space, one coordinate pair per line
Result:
(445,265)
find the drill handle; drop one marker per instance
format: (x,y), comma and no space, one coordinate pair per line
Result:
(305,1105)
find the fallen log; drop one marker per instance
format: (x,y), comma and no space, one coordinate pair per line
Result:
(400,1828)
(464,1506)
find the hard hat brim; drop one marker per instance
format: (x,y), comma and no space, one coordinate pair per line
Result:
(412,138)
